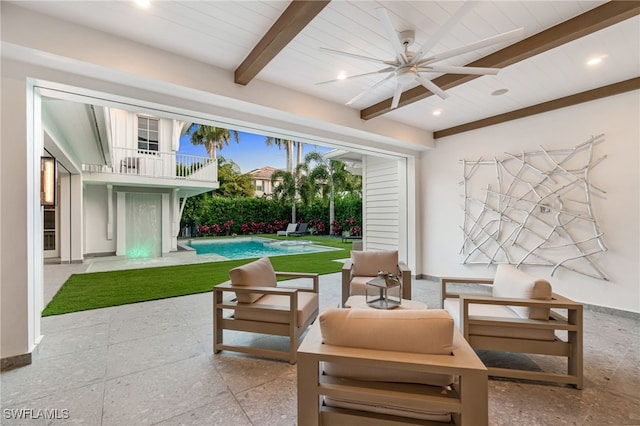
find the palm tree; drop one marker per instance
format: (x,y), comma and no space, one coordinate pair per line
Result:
(213,138)
(288,186)
(288,144)
(325,172)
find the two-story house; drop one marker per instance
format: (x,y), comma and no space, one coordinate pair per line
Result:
(122,183)
(261,180)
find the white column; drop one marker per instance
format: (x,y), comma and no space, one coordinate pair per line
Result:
(20,219)
(109,212)
(64,207)
(175,218)
(166,225)
(77,224)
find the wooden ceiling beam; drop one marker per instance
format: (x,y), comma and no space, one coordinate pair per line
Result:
(589,95)
(587,23)
(289,24)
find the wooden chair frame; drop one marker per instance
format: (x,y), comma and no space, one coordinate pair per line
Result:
(571,348)
(347,275)
(291,329)
(468,401)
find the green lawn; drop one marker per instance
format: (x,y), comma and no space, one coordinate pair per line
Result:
(82,292)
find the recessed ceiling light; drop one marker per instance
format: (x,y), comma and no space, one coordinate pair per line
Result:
(437,112)
(499,92)
(143,3)
(595,60)
(341,75)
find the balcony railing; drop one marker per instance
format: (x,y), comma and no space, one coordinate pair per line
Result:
(168,165)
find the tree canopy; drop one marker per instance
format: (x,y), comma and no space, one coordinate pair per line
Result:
(213,138)
(233,183)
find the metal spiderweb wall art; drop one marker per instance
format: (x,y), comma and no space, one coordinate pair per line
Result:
(534,208)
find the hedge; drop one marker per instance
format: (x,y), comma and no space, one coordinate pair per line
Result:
(210,210)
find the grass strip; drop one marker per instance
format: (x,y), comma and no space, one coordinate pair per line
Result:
(83,292)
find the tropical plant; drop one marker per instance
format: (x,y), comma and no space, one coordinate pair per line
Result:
(288,186)
(232,182)
(326,174)
(213,138)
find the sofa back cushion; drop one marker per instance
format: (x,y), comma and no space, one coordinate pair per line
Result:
(258,273)
(416,331)
(368,263)
(510,282)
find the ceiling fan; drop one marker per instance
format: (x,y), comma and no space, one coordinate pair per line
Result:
(409,66)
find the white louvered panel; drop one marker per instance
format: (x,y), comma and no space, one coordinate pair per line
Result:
(381,224)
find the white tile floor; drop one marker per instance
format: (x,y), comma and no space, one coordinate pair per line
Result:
(152,363)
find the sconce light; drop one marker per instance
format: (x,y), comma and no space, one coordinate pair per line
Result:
(48,181)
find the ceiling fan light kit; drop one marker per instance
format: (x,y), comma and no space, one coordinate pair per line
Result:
(409,66)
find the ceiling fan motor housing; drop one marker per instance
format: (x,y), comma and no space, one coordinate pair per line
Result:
(407,37)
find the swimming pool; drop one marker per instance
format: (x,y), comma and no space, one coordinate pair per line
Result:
(248,247)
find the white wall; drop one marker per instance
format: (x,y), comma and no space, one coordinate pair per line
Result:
(618,212)
(96,215)
(380,209)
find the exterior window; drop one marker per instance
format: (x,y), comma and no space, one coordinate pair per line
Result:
(49,228)
(259,186)
(148,135)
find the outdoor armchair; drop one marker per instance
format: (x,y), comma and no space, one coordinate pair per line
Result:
(263,306)
(521,315)
(364,266)
(381,367)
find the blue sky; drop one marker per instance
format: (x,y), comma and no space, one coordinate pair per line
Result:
(251,153)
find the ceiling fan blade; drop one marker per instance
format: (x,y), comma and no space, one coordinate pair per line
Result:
(388,69)
(432,87)
(392,34)
(353,55)
(396,96)
(473,46)
(450,69)
(369,89)
(444,29)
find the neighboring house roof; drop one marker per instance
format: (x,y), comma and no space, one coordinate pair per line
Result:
(263,172)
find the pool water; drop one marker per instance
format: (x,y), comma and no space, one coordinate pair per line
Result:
(243,248)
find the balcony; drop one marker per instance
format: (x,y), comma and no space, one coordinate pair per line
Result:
(130,164)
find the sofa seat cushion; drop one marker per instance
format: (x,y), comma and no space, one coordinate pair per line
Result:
(390,409)
(512,283)
(259,273)
(415,331)
(452,305)
(358,286)
(368,263)
(307,305)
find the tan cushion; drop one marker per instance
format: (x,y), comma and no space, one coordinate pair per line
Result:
(307,305)
(258,273)
(390,409)
(416,331)
(452,305)
(510,282)
(358,287)
(368,263)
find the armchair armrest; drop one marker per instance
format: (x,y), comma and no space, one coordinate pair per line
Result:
(405,279)
(444,281)
(314,278)
(347,275)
